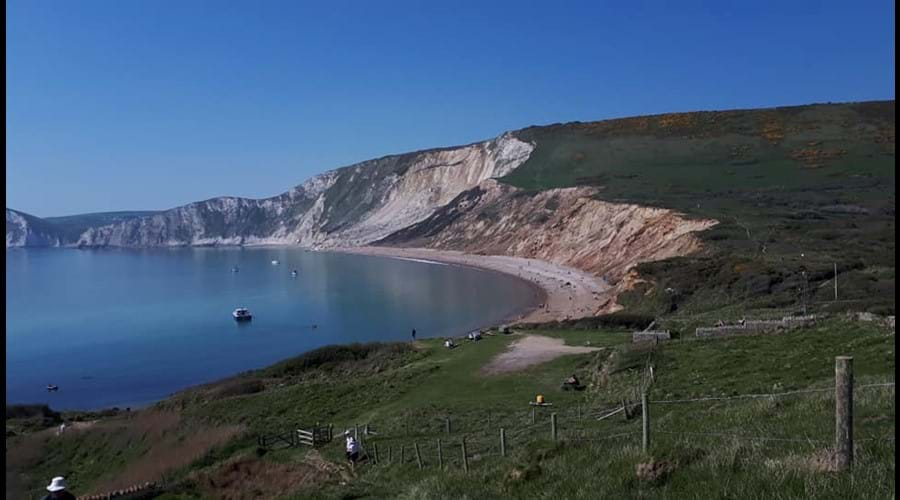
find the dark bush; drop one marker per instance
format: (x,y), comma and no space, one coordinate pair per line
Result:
(28,411)
(238,387)
(617,320)
(333,356)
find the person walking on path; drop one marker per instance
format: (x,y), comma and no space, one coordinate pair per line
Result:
(352,448)
(57,489)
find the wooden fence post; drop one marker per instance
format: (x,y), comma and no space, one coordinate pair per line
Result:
(402,454)
(440,456)
(375,451)
(502,442)
(418,455)
(843,412)
(553,426)
(645,421)
(390,454)
(465,456)
(532,415)
(448,425)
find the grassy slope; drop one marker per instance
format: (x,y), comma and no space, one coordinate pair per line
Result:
(406,393)
(815,180)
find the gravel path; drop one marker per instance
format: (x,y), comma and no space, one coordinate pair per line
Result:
(532,350)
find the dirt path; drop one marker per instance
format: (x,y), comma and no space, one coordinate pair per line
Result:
(568,292)
(532,350)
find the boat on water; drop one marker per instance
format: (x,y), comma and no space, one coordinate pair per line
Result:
(294,273)
(51,387)
(235,269)
(242,314)
(275,262)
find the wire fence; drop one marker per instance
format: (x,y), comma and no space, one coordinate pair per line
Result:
(491,433)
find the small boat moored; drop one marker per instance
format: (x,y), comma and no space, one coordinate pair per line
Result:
(235,269)
(51,387)
(242,314)
(294,273)
(275,262)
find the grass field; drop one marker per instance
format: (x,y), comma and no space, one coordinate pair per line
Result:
(405,393)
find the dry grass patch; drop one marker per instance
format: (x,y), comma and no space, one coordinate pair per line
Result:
(172,449)
(655,472)
(249,477)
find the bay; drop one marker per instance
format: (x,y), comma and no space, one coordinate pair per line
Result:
(123,328)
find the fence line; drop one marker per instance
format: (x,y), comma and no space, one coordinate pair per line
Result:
(474,438)
(739,396)
(769,395)
(742,436)
(889,384)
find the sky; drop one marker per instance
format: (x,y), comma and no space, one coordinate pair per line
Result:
(151,104)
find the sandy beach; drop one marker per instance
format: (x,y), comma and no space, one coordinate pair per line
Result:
(568,292)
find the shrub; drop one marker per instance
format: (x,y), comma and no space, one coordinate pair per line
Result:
(238,387)
(28,411)
(335,356)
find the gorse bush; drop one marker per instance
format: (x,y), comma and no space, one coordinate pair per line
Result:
(28,411)
(238,387)
(351,357)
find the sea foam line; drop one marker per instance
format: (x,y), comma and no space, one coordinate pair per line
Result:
(423,261)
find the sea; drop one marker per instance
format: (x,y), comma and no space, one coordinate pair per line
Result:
(125,328)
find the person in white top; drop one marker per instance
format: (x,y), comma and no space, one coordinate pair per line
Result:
(352,448)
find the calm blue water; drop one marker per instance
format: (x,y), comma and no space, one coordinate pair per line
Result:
(128,327)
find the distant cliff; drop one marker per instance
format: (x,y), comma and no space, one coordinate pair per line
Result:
(23,230)
(349,206)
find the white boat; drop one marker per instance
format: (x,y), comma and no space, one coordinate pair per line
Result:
(241,314)
(294,273)
(274,262)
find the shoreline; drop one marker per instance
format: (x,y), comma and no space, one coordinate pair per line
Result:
(565,292)
(546,303)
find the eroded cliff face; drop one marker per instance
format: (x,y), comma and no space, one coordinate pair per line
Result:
(350,206)
(23,230)
(565,226)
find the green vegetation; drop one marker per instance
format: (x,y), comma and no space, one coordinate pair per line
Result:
(71,226)
(816,181)
(405,392)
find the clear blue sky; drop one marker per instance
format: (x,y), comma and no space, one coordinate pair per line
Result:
(115,105)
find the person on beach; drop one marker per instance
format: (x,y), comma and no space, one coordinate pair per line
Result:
(352,448)
(414,334)
(57,489)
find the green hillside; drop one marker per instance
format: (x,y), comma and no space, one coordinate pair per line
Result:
(73,225)
(203,442)
(816,181)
